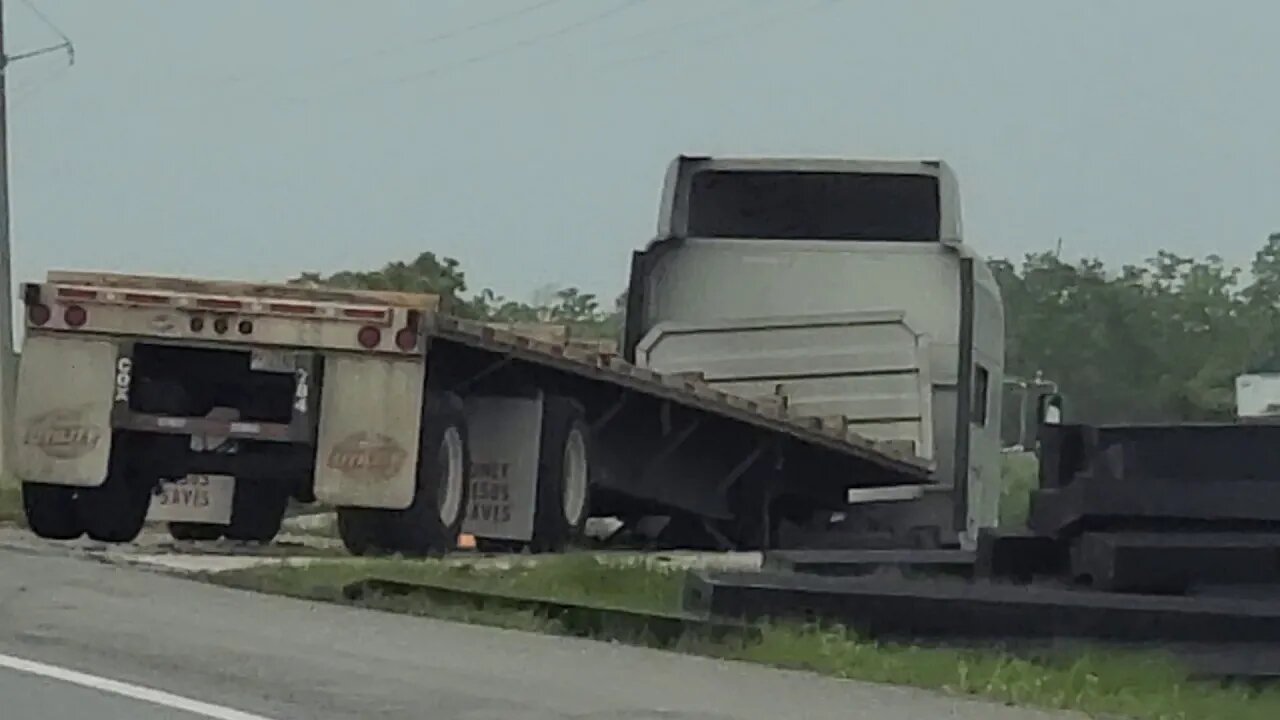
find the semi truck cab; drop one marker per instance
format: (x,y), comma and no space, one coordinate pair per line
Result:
(843,287)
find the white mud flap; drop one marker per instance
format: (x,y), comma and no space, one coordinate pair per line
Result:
(63,411)
(204,499)
(367,449)
(505,436)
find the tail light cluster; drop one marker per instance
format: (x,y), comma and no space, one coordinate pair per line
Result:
(221,324)
(406,338)
(39,314)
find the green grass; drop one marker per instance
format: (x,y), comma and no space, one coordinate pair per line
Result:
(1099,683)
(571,578)
(1018,474)
(11,503)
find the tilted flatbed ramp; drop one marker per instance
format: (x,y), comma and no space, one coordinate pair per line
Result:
(832,434)
(540,344)
(228,288)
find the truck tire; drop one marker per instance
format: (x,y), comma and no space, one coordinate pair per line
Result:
(360,531)
(257,509)
(51,511)
(115,511)
(199,532)
(431,524)
(564,477)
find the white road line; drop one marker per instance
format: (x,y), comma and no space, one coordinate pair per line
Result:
(135,692)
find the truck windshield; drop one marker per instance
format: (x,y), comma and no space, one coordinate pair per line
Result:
(812,205)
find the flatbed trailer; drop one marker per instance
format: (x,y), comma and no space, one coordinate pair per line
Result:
(641,439)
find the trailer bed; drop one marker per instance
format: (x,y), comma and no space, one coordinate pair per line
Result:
(544,345)
(831,433)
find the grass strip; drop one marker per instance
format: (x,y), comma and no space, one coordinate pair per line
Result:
(11,503)
(1099,683)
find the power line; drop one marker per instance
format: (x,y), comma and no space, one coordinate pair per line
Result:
(47,22)
(773,19)
(31,89)
(718,15)
(66,43)
(592,19)
(416,42)
(530,41)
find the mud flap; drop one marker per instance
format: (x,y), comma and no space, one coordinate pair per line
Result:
(63,411)
(367,446)
(505,438)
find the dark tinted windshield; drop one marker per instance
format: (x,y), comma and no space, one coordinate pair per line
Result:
(814,205)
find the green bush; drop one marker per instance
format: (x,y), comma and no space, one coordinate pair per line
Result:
(1019,476)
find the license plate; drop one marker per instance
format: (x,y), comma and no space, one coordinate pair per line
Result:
(194,499)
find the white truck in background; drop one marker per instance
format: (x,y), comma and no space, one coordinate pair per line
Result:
(805,338)
(842,288)
(1258,397)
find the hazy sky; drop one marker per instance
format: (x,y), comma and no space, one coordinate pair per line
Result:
(256,139)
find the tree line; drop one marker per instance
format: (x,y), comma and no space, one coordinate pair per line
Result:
(1157,341)
(584,313)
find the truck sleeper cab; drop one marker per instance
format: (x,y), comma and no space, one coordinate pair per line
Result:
(838,287)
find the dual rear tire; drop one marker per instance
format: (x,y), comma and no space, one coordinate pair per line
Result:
(563,499)
(116,510)
(432,522)
(112,512)
(257,511)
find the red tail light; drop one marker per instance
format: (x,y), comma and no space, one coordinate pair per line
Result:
(369,337)
(75,316)
(407,339)
(38,314)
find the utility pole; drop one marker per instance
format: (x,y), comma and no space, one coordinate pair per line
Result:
(8,358)
(8,361)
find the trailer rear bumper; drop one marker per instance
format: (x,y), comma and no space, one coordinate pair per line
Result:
(295,432)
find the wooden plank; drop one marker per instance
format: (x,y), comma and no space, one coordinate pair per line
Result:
(899,447)
(545,332)
(277,291)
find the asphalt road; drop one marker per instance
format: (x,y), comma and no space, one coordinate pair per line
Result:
(284,659)
(27,697)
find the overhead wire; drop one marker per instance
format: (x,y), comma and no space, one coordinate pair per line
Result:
(438,37)
(48,22)
(616,8)
(772,19)
(742,15)
(21,93)
(735,8)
